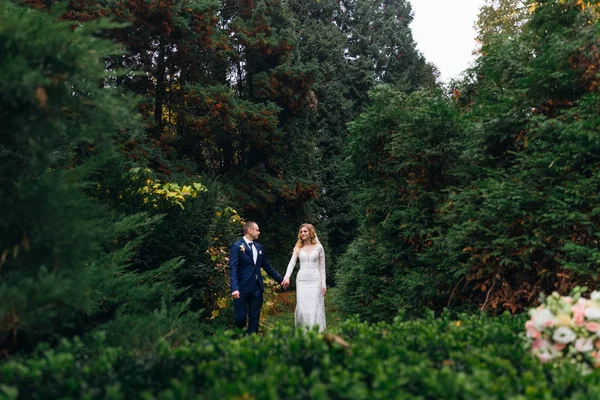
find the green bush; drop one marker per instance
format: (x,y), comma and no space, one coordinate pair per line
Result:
(195,225)
(490,197)
(58,126)
(66,254)
(402,149)
(467,358)
(524,219)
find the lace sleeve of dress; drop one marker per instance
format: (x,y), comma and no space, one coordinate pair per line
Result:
(322,266)
(291,265)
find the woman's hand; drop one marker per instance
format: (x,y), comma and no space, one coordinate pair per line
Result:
(323,290)
(285,283)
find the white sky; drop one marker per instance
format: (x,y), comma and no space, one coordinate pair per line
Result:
(443,30)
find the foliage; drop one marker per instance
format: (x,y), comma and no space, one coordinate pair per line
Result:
(524,221)
(445,358)
(195,225)
(492,202)
(65,251)
(53,112)
(402,148)
(501,17)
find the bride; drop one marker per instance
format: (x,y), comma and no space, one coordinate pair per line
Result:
(310,281)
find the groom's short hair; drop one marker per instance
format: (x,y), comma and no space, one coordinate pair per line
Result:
(248,225)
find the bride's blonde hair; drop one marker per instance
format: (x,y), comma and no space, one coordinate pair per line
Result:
(312,235)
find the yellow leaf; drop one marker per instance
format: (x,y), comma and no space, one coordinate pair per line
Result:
(214,314)
(222,302)
(219,213)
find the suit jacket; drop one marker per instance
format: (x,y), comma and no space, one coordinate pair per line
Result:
(243,272)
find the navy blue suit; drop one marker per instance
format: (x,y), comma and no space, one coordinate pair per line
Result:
(246,277)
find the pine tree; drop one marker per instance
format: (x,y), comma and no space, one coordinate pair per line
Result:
(525,223)
(402,151)
(59,124)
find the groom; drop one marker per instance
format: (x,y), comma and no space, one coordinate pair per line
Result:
(246,257)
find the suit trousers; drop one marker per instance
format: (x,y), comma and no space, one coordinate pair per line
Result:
(246,309)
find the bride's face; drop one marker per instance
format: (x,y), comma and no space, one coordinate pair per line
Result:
(304,234)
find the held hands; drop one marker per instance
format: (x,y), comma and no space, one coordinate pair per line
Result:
(236,294)
(323,291)
(285,283)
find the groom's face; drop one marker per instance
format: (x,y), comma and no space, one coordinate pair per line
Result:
(254,232)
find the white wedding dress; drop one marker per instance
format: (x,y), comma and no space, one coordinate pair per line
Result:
(310,302)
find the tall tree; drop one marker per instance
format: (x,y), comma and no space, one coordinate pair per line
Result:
(402,151)
(501,17)
(381,48)
(62,264)
(526,224)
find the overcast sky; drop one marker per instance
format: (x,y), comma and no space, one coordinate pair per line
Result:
(443,30)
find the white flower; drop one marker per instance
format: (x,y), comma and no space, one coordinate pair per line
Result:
(595,296)
(592,313)
(564,335)
(547,353)
(582,344)
(541,318)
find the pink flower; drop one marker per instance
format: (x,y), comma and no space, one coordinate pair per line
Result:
(531,331)
(579,313)
(592,326)
(544,357)
(540,344)
(559,346)
(583,345)
(579,319)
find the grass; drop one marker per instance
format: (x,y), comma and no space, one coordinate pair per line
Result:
(279,308)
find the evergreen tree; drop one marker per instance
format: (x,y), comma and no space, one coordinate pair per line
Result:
(64,253)
(402,150)
(323,44)
(380,48)
(524,222)
(54,111)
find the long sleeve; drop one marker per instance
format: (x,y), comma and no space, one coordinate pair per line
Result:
(291,265)
(270,270)
(322,266)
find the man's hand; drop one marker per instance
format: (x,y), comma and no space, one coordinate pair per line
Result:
(323,290)
(236,294)
(285,283)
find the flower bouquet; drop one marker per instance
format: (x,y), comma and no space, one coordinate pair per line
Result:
(566,329)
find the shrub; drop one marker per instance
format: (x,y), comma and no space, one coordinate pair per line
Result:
(467,358)
(58,126)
